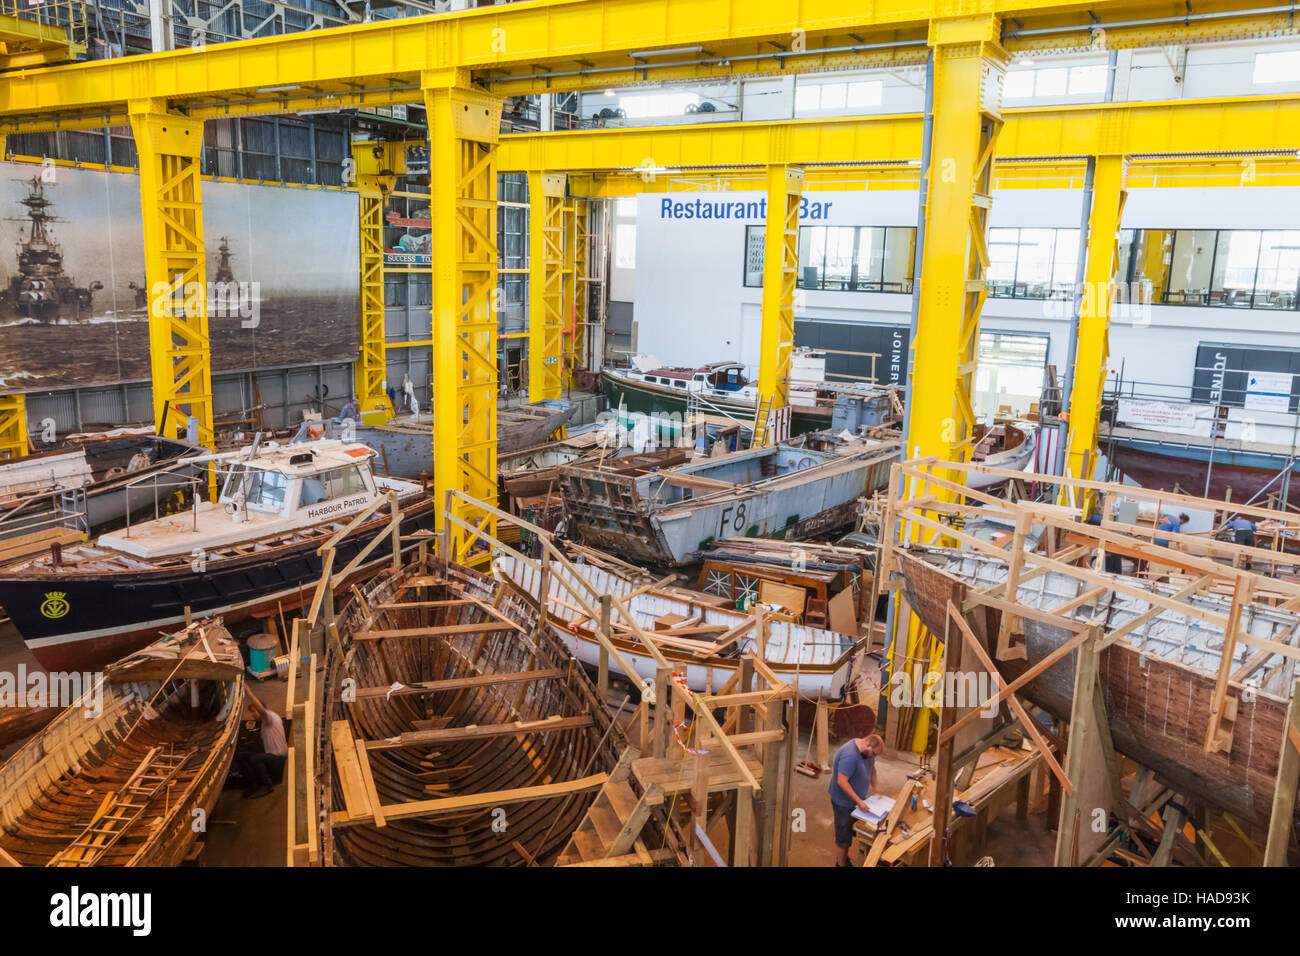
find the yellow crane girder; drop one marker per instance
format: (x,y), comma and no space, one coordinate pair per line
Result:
(556,45)
(546,255)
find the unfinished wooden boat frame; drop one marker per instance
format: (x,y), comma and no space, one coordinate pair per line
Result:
(926,506)
(119,789)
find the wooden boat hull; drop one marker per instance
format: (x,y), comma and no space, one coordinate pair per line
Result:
(97,618)
(1164,466)
(1158,708)
(704,673)
(494,643)
(62,780)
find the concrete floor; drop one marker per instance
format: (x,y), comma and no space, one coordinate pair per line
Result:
(252,832)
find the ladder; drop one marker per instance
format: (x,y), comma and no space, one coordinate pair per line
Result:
(611,829)
(121,810)
(762,419)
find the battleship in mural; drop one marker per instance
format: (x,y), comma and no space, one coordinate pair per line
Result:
(41,291)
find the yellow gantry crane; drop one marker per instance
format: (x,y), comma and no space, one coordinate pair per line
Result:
(461,65)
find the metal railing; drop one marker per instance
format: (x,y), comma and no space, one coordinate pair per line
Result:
(192,482)
(58,19)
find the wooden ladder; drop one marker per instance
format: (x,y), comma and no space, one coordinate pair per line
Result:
(762,416)
(610,833)
(121,810)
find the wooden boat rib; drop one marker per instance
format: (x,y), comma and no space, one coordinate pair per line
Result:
(119,788)
(820,660)
(1158,680)
(484,742)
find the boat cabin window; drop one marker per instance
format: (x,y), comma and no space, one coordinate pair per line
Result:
(328,485)
(261,490)
(727,378)
(679,384)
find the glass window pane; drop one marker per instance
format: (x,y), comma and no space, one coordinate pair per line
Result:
(754,244)
(625,243)
(1234,268)
(807,96)
(1018,85)
(1189,266)
(1001,275)
(1085,80)
(1277,286)
(1051,82)
(1282,66)
(833,95)
(864,93)
(1034,263)
(871,256)
(839,257)
(900,246)
(816,258)
(1065,261)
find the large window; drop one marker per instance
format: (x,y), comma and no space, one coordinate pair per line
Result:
(1225,268)
(1032,263)
(843,258)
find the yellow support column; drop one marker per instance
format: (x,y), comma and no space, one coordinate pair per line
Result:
(375,180)
(464,127)
(1088,376)
(969,66)
(13,426)
(780,272)
(171,207)
(570,300)
(581,305)
(545,285)
(968,69)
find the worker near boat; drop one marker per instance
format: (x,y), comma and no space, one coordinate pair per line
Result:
(1171,524)
(259,772)
(853,779)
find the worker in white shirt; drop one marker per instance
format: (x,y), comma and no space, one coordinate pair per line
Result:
(266,769)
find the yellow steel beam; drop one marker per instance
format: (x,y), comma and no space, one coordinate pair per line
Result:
(1089,370)
(569,280)
(664,153)
(545,285)
(581,298)
(553,45)
(13,426)
(375,179)
(780,270)
(464,125)
(171,205)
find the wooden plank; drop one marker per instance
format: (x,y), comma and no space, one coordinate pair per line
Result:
(480,801)
(459,683)
(356,795)
(1214,740)
(1151,612)
(1288,776)
(376,808)
(881,838)
(418,738)
(446,630)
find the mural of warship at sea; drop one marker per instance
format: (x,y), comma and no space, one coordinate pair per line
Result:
(41,291)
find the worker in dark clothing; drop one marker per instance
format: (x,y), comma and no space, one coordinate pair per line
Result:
(1243,532)
(1114,564)
(1172,524)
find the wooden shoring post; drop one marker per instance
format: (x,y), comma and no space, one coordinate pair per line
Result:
(783,821)
(742,841)
(767,808)
(1216,737)
(1005,652)
(745,674)
(944,776)
(1173,825)
(1288,776)
(602,673)
(396,525)
(1085,732)
(543,592)
(662,728)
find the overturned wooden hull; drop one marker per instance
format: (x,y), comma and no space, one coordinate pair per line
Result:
(168,726)
(1158,681)
(485,742)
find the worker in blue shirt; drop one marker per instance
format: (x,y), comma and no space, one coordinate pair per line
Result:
(1172,524)
(1243,531)
(853,779)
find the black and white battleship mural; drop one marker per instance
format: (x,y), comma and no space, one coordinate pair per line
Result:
(74,304)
